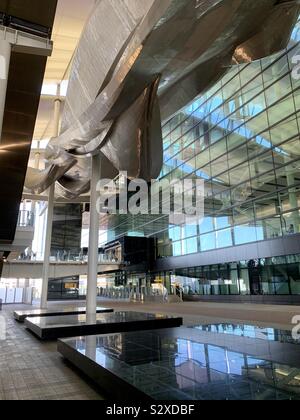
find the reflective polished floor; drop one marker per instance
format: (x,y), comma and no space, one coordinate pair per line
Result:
(48,328)
(33,370)
(192,364)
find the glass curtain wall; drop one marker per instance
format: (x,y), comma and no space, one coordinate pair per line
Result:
(242,138)
(266,276)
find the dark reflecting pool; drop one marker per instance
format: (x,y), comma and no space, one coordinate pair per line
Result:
(20,316)
(188,364)
(53,327)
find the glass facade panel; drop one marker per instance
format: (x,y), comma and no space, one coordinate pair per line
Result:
(267,276)
(208,241)
(245,234)
(224,238)
(242,138)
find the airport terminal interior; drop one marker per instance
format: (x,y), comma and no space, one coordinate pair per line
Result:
(150,200)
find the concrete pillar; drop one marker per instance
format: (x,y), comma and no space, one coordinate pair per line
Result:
(5,54)
(33,207)
(46,266)
(51,197)
(56,117)
(91,298)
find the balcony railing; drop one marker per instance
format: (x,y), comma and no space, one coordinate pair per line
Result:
(66,257)
(24,26)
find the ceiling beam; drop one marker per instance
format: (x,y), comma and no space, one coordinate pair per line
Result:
(58,200)
(26,43)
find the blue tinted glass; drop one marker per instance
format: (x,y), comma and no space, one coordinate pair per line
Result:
(224,238)
(208,241)
(207,225)
(244,234)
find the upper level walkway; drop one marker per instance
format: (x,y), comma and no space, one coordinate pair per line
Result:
(34,269)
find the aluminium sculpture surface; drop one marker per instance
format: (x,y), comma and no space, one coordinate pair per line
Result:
(139,62)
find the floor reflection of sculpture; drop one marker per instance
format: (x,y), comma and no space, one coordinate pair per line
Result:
(160,55)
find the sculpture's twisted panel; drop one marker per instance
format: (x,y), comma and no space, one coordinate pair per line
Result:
(138,60)
(110,27)
(139,125)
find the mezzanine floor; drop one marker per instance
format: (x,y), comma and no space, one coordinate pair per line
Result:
(30,369)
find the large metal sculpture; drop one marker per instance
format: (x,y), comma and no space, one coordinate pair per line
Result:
(139,62)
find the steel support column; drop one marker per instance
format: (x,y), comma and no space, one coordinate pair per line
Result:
(51,200)
(91,299)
